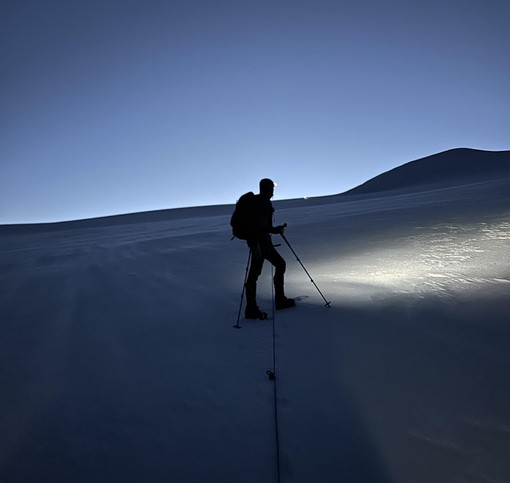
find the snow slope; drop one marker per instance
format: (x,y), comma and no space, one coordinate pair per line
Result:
(119,361)
(456,166)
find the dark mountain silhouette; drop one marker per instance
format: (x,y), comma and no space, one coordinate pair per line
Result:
(449,168)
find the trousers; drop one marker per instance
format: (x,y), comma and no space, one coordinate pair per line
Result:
(262,250)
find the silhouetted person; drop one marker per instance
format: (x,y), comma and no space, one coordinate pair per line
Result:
(262,249)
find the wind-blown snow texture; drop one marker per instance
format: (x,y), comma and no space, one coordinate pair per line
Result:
(119,361)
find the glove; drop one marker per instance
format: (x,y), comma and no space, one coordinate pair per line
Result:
(279,229)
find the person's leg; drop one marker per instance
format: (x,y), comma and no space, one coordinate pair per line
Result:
(271,255)
(257,260)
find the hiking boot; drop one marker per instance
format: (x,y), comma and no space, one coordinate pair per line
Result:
(284,303)
(254,313)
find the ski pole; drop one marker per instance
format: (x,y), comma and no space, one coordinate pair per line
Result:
(306,271)
(237,326)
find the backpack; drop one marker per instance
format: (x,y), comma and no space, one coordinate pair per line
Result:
(244,218)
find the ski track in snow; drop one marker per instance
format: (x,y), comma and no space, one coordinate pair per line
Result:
(119,360)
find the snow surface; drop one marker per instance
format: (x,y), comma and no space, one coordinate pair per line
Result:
(119,360)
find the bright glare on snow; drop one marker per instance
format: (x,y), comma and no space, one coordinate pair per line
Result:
(439,260)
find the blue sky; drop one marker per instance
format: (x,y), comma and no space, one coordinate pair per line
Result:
(121,106)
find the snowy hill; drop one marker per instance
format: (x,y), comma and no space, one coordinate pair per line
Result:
(119,360)
(453,167)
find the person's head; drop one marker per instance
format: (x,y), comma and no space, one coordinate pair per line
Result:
(266,187)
